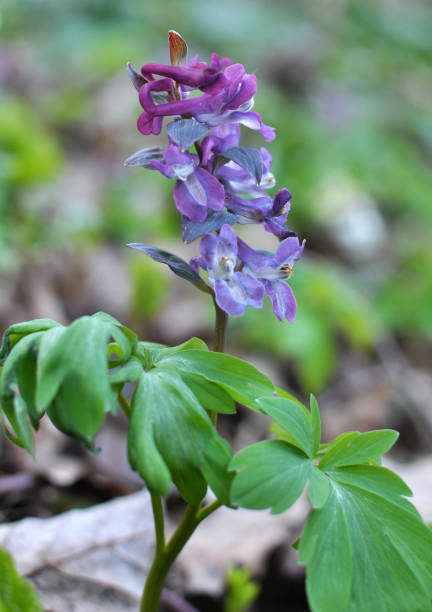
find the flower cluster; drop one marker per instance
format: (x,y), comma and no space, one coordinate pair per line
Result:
(221,182)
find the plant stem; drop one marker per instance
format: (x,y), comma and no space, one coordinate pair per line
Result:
(220,329)
(158,522)
(124,404)
(166,555)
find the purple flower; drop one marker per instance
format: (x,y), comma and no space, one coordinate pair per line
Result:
(234,291)
(196,190)
(238,181)
(222,137)
(272,213)
(227,98)
(273,271)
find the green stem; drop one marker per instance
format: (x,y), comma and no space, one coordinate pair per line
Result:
(220,329)
(166,555)
(125,405)
(158,522)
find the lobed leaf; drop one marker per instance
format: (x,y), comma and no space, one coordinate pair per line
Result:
(243,382)
(274,475)
(294,419)
(172,439)
(354,447)
(367,548)
(152,352)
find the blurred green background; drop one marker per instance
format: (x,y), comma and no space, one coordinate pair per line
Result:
(347,84)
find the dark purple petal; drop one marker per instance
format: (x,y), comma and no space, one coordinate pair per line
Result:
(245,93)
(254,209)
(280,200)
(219,64)
(201,106)
(163,168)
(198,192)
(193,77)
(283,300)
(277,227)
(198,262)
(187,203)
(149,125)
(173,156)
(252,120)
(234,75)
(146,90)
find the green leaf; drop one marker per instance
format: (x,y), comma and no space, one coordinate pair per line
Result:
(241,380)
(294,419)
(13,404)
(16,593)
(274,475)
(319,488)
(316,422)
(51,367)
(367,548)
(126,339)
(26,379)
(15,332)
(129,372)
(210,396)
(152,352)
(242,591)
(73,382)
(172,439)
(353,448)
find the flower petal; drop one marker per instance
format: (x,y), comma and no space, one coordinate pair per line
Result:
(241,291)
(283,299)
(289,251)
(198,192)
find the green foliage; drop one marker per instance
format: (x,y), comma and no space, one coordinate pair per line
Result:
(16,593)
(242,590)
(365,546)
(172,439)
(24,159)
(63,371)
(75,374)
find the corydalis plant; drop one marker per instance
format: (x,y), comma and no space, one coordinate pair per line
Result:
(222,183)
(365,546)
